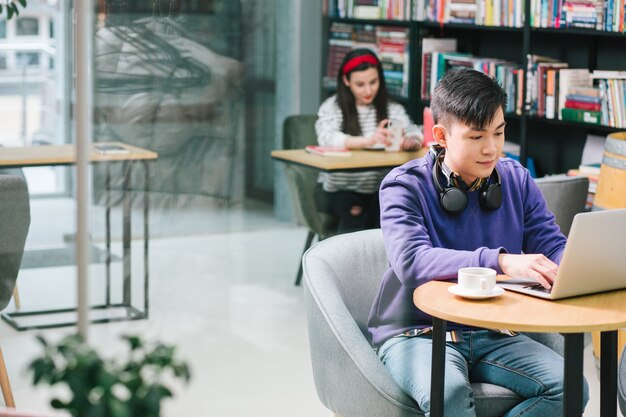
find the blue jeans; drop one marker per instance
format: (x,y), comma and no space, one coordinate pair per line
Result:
(526,367)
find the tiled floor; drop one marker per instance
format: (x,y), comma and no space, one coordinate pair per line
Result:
(223,292)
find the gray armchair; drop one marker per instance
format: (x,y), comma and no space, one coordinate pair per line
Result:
(14,224)
(621,383)
(341,276)
(298,132)
(565,196)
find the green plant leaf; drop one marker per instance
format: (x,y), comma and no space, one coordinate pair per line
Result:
(58,404)
(181,370)
(106,379)
(134,341)
(96,410)
(119,409)
(23,3)
(39,337)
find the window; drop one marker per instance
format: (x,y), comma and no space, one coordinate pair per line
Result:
(3,60)
(27,26)
(27,59)
(3,29)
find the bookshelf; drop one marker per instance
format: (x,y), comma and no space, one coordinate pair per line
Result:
(555,145)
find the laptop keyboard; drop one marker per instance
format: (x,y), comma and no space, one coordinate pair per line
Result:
(539,287)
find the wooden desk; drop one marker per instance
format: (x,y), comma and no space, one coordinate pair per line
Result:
(605,312)
(358,161)
(52,155)
(55,155)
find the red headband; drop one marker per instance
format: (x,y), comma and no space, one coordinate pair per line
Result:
(358,60)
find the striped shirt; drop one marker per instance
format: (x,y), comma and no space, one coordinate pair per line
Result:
(328,128)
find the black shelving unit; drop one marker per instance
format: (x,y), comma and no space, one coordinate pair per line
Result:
(555,145)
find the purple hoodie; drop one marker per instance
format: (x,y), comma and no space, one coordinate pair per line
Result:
(424,243)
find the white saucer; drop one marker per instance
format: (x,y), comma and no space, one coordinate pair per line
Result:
(456,290)
(377,147)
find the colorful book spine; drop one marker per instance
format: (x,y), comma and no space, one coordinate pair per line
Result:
(582,105)
(584,116)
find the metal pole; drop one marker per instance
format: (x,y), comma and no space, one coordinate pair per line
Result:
(24,102)
(608,373)
(573,386)
(83,34)
(438,370)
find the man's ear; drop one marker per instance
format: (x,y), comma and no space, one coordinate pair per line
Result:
(345,81)
(439,133)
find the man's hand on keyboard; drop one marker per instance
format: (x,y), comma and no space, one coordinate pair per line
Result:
(535,266)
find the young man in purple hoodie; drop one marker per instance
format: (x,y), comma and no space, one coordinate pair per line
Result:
(460,206)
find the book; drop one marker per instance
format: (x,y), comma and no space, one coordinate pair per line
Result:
(585,116)
(328,151)
(570,78)
(363,11)
(550,98)
(609,74)
(430,47)
(107,149)
(583,105)
(590,169)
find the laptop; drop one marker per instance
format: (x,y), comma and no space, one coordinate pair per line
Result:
(594,259)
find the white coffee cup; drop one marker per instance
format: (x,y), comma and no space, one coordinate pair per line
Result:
(395,127)
(477,280)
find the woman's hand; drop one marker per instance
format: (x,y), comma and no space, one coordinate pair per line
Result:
(535,266)
(410,143)
(380,136)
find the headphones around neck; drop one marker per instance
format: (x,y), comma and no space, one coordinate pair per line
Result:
(453,200)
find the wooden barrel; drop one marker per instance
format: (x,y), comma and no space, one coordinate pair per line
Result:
(611,191)
(611,194)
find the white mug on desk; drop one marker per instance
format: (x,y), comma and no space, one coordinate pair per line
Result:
(477,280)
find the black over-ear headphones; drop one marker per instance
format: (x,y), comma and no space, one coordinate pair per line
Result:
(454,200)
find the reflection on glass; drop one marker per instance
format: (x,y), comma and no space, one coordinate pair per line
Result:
(162,83)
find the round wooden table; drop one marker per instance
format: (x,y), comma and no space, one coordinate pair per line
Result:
(604,312)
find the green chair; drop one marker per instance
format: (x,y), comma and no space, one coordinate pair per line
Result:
(298,132)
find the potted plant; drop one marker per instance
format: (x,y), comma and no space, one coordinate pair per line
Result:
(11,7)
(107,387)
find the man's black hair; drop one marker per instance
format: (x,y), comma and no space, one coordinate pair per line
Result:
(468,96)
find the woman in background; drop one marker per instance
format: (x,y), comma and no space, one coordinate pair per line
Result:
(356,118)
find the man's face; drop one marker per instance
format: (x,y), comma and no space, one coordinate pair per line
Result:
(472,153)
(364,85)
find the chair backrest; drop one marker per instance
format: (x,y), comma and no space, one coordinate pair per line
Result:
(621,383)
(565,196)
(351,265)
(14,224)
(298,132)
